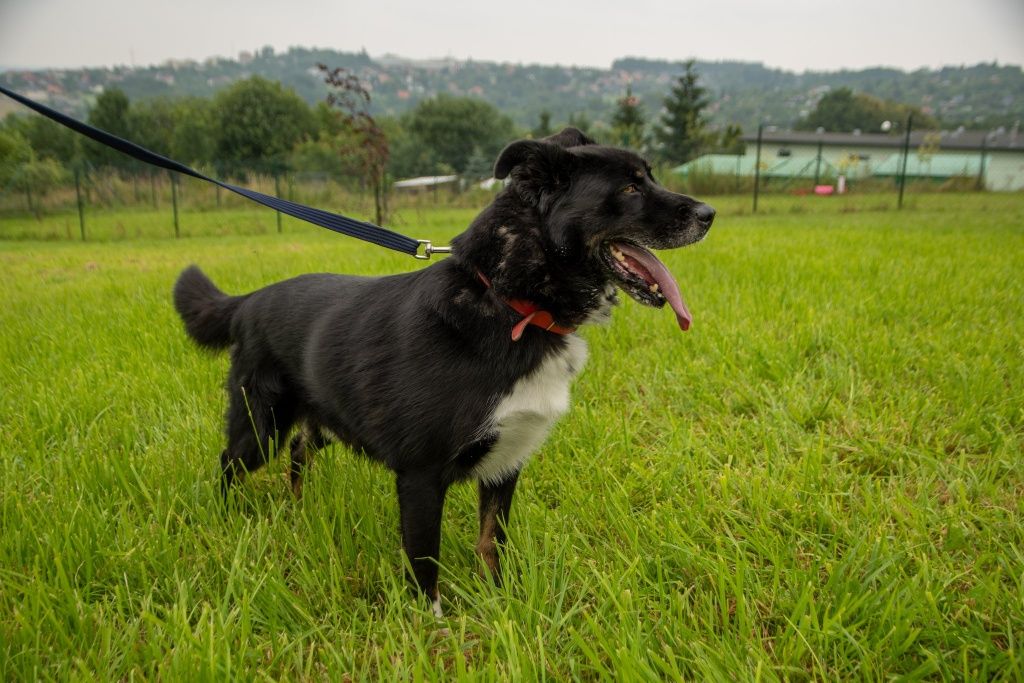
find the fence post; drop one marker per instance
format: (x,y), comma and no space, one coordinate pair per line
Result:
(174,200)
(906,153)
(277,193)
(81,208)
(757,165)
(817,166)
(980,184)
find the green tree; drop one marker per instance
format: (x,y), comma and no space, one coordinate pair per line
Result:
(410,157)
(543,128)
(36,178)
(582,122)
(14,152)
(479,166)
(628,122)
(730,141)
(328,123)
(683,129)
(257,123)
(20,170)
(321,155)
(48,139)
(843,110)
(110,113)
(194,140)
(152,123)
(450,128)
(330,150)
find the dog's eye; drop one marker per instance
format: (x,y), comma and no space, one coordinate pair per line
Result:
(631,188)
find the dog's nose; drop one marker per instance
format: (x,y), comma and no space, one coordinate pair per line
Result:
(704,213)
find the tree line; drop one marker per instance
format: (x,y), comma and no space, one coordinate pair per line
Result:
(260,126)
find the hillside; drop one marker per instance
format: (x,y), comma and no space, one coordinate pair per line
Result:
(983,96)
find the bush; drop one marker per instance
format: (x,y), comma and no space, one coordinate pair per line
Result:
(702,184)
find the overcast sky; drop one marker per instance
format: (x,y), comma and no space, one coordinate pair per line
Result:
(792,34)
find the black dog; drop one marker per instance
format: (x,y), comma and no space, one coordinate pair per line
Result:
(456,371)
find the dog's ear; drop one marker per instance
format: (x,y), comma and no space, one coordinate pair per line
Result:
(520,152)
(537,168)
(569,137)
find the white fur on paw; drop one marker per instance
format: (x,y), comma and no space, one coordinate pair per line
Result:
(435,606)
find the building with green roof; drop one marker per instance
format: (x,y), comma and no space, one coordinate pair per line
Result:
(994,159)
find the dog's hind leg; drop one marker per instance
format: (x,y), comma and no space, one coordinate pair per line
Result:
(309,439)
(420,503)
(495,504)
(260,412)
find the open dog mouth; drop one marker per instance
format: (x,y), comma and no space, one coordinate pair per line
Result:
(641,275)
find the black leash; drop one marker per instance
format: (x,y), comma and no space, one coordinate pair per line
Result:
(325,219)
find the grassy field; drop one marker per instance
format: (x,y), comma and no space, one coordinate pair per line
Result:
(823,479)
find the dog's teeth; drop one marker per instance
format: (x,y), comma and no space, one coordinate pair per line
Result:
(654,288)
(619,256)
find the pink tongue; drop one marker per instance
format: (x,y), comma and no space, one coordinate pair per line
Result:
(666,283)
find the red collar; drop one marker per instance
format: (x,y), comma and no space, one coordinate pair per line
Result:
(532,315)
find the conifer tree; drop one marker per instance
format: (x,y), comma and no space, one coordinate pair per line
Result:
(543,128)
(683,133)
(581,121)
(628,122)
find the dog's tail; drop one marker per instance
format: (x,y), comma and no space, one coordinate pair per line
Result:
(206,310)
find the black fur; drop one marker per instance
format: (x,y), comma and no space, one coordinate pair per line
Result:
(206,310)
(408,368)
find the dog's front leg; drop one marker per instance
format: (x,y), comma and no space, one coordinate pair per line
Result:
(420,503)
(495,504)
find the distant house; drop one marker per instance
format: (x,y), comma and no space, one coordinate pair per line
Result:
(996,158)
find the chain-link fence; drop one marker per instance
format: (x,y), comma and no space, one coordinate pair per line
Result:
(137,201)
(52,202)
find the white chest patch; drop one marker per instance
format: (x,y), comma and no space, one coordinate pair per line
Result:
(524,416)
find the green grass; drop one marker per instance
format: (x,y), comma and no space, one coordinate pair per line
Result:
(821,480)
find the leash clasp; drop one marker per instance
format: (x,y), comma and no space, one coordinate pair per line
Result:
(429,250)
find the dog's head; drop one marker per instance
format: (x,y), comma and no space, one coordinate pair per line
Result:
(592,214)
